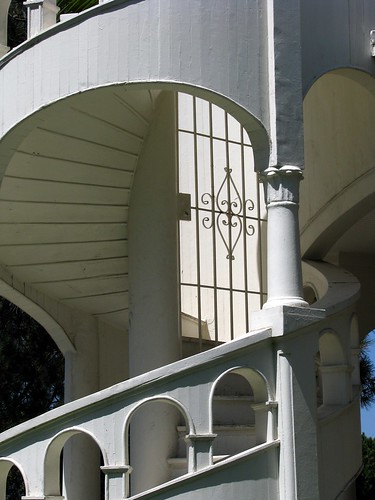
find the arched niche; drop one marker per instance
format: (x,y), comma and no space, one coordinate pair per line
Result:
(4,8)
(11,472)
(339,158)
(63,452)
(241,411)
(155,446)
(334,370)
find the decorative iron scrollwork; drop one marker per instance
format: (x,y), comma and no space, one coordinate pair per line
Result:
(228,211)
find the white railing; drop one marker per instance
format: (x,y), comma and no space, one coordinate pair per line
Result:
(189,386)
(35,446)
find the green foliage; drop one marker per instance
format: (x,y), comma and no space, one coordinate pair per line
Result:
(32,368)
(366,480)
(367,374)
(32,376)
(17,17)
(69,6)
(17,23)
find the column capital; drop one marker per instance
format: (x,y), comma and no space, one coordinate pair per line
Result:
(281,184)
(116,469)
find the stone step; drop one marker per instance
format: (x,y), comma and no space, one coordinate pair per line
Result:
(231,439)
(178,466)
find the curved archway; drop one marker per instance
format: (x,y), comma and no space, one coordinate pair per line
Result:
(240,415)
(160,68)
(7,467)
(339,158)
(77,438)
(155,447)
(334,371)
(53,328)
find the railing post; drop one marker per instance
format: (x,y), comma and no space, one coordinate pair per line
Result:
(41,14)
(200,451)
(265,428)
(116,481)
(3,50)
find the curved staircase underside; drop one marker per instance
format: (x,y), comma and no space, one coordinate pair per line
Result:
(65,194)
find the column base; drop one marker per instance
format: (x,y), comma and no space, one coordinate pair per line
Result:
(286,301)
(285,319)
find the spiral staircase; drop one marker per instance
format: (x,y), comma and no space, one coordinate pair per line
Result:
(78,113)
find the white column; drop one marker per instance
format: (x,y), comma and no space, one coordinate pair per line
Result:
(81,455)
(265,421)
(116,481)
(199,450)
(41,14)
(288,480)
(154,338)
(3,50)
(284,272)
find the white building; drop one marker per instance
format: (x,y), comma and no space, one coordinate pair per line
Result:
(203,360)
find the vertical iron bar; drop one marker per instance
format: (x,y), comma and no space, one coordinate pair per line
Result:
(260,247)
(229,231)
(214,256)
(178,133)
(197,238)
(244,232)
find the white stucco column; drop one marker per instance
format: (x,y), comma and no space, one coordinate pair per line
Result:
(154,338)
(284,273)
(41,14)
(3,50)
(81,455)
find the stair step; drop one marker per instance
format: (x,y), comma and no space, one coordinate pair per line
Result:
(182,462)
(179,466)
(223,428)
(232,397)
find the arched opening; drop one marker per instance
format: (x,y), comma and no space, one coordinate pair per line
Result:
(61,473)
(337,195)
(12,481)
(222,225)
(310,293)
(333,371)
(17,23)
(241,418)
(155,445)
(32,367)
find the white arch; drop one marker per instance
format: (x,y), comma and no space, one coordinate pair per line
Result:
(52,457)
(331,349)
(39,314)
(162,399)
(5,465)
(149,61)
(340,168)
(256,379)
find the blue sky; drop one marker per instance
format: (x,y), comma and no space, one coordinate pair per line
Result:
(368,416)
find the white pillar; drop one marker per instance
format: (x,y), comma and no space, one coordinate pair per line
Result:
(41,14)
(154,338)
(116,481)
(3,50)
(288,480)
(81,455)
(199,451)
(284,272)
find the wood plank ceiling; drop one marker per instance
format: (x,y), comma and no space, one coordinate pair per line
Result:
(65,195)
